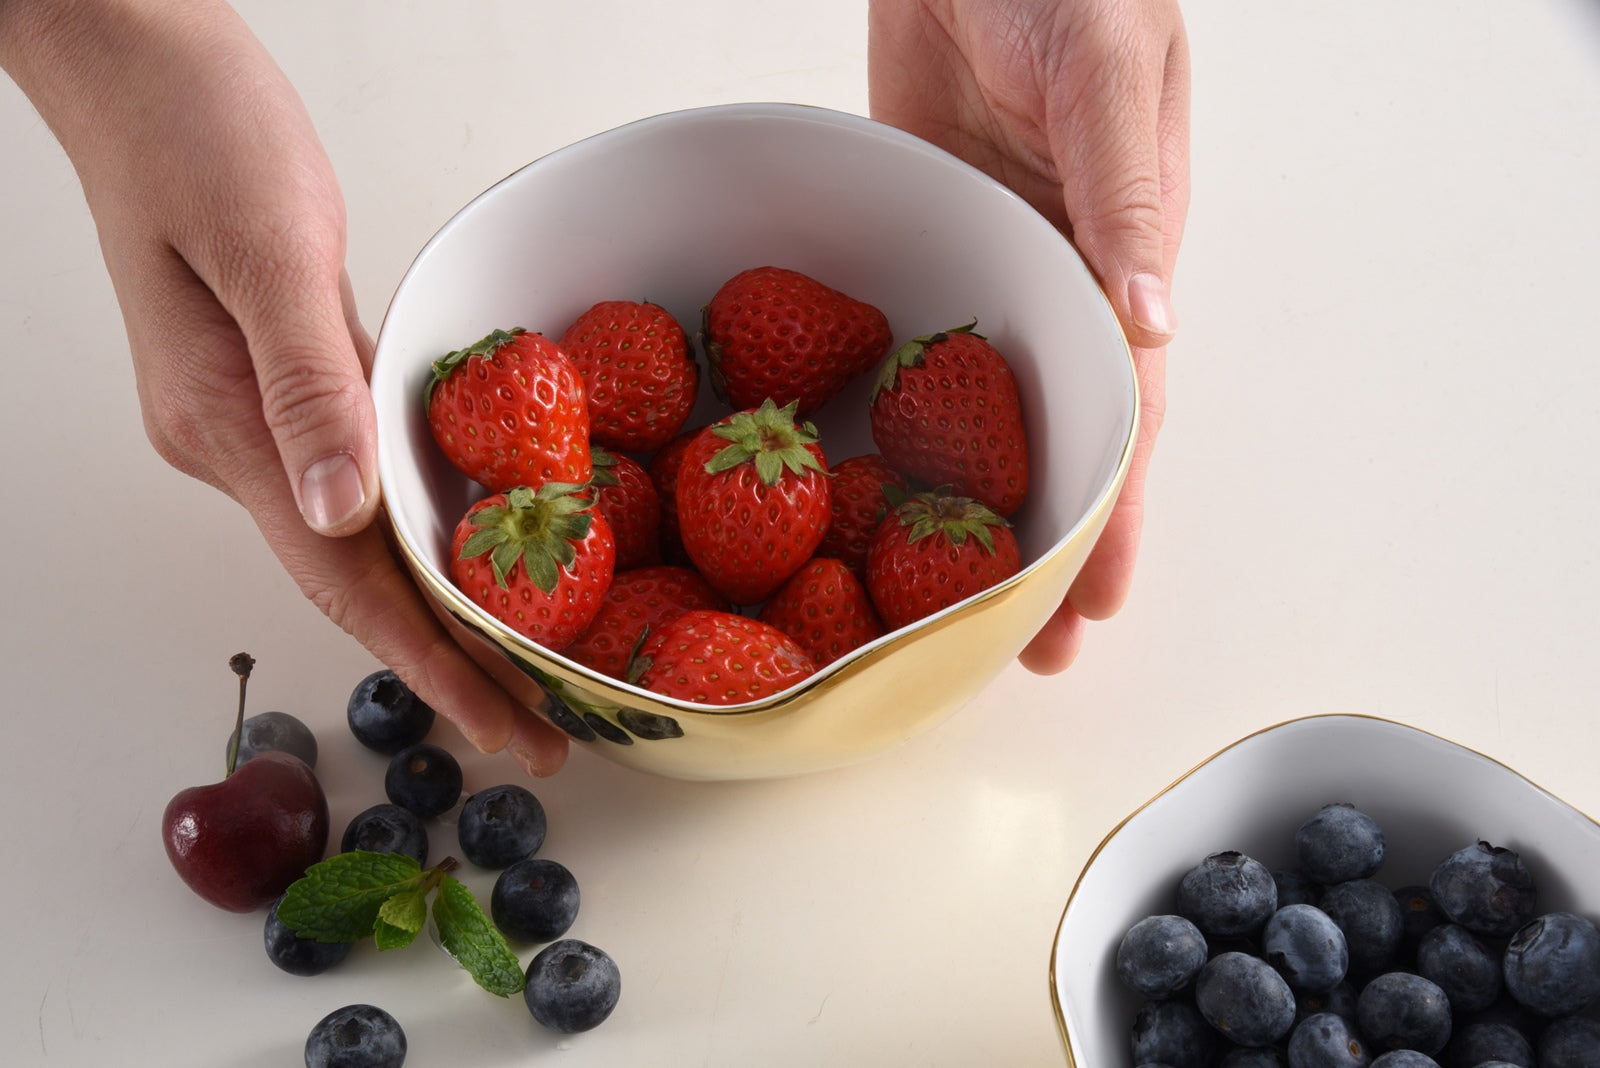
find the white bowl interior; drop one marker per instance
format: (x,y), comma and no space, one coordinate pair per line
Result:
(668,208)
(1431,797)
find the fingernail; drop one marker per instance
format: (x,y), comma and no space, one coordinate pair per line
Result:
(1148,302)
(331,492)
(533,760)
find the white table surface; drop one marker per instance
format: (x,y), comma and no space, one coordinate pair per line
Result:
(1374,492)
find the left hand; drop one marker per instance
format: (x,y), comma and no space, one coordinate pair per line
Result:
(1082,108)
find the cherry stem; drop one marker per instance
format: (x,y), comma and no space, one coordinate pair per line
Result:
(241,663)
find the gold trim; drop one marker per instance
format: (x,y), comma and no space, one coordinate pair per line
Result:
(1055,945)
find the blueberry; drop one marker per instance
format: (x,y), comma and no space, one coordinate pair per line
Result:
(1402,1010)
(1245,999)
(387,828)
(1338,844)
(1227,894)
(1552,965)
(572,986)
(1340,1001)
(1172,1032)
(356,1036)
(1160,955)
(1306,947)
(276,731)
(1404,1058)
(534,900)
(500,826)
(296,955)
(1419,914)
(1370,918)
(1573,1042)
(1294,888)
(385,716)
(1486,889)
(1465,968)
(1327,1041)
(1253,1057)
(1482,1042)
(424,779)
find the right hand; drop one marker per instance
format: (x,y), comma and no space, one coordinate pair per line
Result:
(223,229)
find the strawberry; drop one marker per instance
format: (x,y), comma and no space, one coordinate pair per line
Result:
(718,658)
(510,411)
(753,500)
(663,470)
(639,602)
(945,409)
(627,498)
(859,505)
(825,608)
(772,333)
(539,562)
(637,372)
(933,550)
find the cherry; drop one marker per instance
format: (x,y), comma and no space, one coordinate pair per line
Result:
(240,842)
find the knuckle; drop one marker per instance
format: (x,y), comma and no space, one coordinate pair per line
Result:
(299,396)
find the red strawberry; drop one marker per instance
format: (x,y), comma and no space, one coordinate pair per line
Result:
(663,470)
(859,505)
(637,371)
(945,409)
(627,498)
(719,658)
(510,411)
(538,562)
(753,500)
(772,333)
(639,601)
(933,550)
(826,609)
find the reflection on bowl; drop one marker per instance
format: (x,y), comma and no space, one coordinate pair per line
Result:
(666,209)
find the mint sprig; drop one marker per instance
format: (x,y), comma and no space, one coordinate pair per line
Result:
(360,894)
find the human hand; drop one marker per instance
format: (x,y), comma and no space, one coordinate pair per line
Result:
(224,232)
(1082,108)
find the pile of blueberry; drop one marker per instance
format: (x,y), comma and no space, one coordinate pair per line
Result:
(570,985)
(1324,966)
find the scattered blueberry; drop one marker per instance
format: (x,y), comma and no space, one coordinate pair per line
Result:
(1462,965)
(1483,1042)
(572,986)
(356,1036)
(1338,844)
(296,955)
(1573,1042)
(1402,1010)
(1486,889)
(1306,947)
(275,731)
(424,779)
(1370,918)
(387,828)
(1172,1033)
(1228,893)
(1552,965)
(1244,999)
(501,825)
(1327,1041)
(385,716)
(534,900)
(1160,955)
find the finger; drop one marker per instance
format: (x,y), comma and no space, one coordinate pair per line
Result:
(1056,645)
(538,746)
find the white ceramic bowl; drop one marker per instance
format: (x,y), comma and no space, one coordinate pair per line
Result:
(666,209)
(1430,796)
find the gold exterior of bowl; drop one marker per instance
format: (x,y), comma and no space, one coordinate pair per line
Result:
(854,709)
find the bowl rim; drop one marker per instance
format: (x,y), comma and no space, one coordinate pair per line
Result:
(452,600)
(1055,944)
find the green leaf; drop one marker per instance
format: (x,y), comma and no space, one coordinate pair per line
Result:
(407,911)
(388,936)
(473,940)
(339,899)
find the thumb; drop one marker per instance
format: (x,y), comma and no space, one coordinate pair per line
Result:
(1108,146)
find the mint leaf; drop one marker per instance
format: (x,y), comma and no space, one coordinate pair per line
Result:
(400,918)
(338,899)
(474,941)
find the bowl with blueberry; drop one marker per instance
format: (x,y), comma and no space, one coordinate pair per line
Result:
(1337,892)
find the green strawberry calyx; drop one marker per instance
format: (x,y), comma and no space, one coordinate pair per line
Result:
(939,511)
(770,438)
(446,365)
(603,461)
(910,355)
(540,528)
